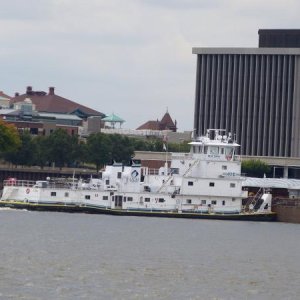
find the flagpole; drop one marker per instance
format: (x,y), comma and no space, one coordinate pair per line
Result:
(166,149)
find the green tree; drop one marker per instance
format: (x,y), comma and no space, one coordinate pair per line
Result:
(9,137)
(255,168)
(98,149)
(61,147)
(121,148)
(24,154)
(42,147)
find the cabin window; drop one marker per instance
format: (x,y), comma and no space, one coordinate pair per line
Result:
(174,170)
(100,175)
(190,183)
(107,181)
(66,194)
(188,201)
(147,188)
(119,175)
(214,202)
(214,150)
(233,199)
(222,150)
(211,184)
(105,198)
(232,185)
(53,194)
(87,197)
(203,201)
(147,199)
(161,200)
(223,202)
(205,149)
(224,167)
(129,198)
(229,153)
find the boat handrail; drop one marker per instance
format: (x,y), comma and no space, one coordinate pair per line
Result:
(15,182)
(153,171)
(182,156)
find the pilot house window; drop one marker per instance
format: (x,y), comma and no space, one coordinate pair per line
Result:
(211,184)
(190,183)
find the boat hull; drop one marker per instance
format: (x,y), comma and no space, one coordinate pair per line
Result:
(75,208)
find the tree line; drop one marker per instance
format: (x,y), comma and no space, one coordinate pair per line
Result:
(61,149)
(99,149)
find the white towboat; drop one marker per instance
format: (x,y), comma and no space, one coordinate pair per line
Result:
(205,183)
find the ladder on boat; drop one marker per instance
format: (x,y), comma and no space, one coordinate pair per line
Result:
(165,183)
(253,201)
(191,167)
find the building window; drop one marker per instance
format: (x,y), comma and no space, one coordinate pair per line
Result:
(147,199)
(214,202)
(87,197)
(66,194)
(105,197)
(53,194)
(190,183)
(129,198)
(232,185)
(188,201)
(161,200)
(224,167)
(203,202)
(211,184)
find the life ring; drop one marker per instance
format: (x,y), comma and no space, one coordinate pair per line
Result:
(27,191)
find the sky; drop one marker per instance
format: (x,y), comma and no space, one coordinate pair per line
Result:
(128,57)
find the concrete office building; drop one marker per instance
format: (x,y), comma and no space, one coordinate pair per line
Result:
(253,92)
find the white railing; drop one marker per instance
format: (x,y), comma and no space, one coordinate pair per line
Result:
(14,182)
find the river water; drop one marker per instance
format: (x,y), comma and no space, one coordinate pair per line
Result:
(47,255)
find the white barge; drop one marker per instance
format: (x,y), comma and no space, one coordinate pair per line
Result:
(205,183)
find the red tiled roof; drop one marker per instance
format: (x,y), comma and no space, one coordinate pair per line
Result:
(166,123)
(150,125)
(53,103)
(4,95)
